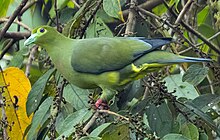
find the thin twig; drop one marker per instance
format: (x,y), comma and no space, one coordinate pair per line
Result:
(148,5)
(183,12)
(187,27)
(7,47)
(57,17)
(76,4)
(199,44)
(131,21)
(27,6)
(30,60)
(193,31)
(210,39)
(90,18)
(113,113)
(16,35)
(56,108)
(200,36)
(12,18)
(179,18)
(186,50)
(91,122)
(17,22)
(210,84)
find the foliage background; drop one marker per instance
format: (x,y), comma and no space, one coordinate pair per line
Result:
(178,102)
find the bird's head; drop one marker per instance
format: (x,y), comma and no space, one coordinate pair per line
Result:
(40,35)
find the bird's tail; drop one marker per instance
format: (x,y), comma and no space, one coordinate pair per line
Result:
(183,59)
(167,58)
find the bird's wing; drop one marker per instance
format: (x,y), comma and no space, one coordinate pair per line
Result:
(98,55)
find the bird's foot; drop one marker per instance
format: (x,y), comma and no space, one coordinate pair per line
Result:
(101,104)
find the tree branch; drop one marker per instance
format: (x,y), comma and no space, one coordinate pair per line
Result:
(193,31)
(186,26)
(30,60)
(90,122)
(12,18)
(27,6)
(7,47)
(131,21)
(17,35)
(183,12)
(76,4)
(90,18)
(113,113)
(17,22)
(57,17)
(148,5)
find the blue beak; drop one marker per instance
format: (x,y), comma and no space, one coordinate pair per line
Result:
(30,40)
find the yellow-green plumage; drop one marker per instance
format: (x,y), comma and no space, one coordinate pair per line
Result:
(108,63)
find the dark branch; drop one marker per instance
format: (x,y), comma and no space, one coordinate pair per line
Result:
(148,5)
(7,47)
(17,35)
(12,18)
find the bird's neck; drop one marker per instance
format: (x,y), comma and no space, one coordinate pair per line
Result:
(55,43)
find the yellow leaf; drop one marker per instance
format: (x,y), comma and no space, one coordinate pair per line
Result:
(15,94)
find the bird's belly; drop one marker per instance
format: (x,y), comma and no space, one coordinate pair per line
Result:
(78,79)
(88,81)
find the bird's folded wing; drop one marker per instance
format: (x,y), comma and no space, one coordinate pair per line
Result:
(100,55)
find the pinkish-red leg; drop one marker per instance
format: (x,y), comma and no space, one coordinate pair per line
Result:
(101,104)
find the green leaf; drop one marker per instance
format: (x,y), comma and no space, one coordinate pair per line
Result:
(98,29)
(71,4)
(176,126)
(195,74)
(41,115)
(113,8)
(4,4)
(183,89)
(206,101)
(174,137)
(18,58)
(160,119)
(76,96)
(160,9)
(206,118)
(36,93)
(66,14)
(208,31)
(105,17)
(203,136)
(172,2)
(73,119)
(74,23)
(130,95)
(202,15)
(66,133)
(96,132)
(60,5)
(190,131)
(117,132)
(176,2)
(90,138)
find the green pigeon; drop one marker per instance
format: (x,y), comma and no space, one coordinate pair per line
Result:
(108,63)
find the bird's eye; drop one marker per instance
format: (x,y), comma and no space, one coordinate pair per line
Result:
(42,30)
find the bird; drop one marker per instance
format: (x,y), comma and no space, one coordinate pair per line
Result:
(109,63)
